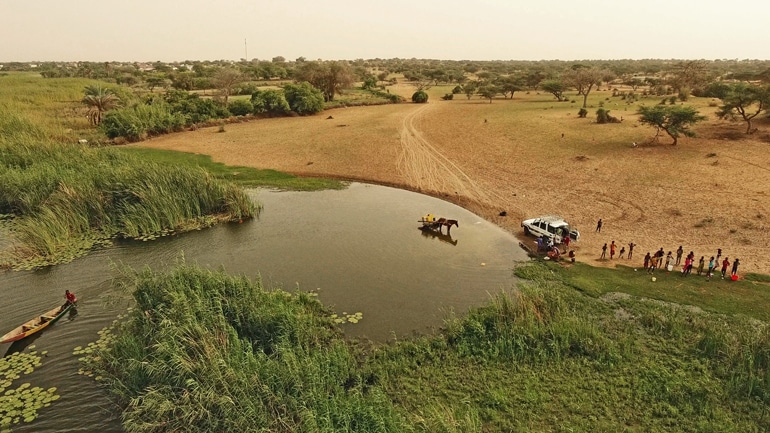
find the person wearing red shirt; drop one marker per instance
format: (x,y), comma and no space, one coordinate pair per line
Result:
(725,264)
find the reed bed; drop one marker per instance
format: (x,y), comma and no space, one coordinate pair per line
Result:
(202,348)
(65,199)
(203,351)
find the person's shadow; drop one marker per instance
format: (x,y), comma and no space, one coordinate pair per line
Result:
(430,233)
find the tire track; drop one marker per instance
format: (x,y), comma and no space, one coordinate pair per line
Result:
(425,167)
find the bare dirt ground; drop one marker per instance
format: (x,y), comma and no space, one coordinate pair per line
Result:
(532,156)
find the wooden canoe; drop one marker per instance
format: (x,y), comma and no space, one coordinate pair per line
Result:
(36,325)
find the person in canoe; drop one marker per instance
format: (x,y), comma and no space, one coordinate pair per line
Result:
(71,299)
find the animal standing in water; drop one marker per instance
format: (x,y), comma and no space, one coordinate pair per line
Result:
(443,222)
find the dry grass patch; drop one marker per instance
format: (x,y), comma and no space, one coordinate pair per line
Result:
(529,156)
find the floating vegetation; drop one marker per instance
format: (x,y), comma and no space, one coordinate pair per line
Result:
(21,404)
(89,355)
(347,318)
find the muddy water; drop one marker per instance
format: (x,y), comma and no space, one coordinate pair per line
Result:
(360,248)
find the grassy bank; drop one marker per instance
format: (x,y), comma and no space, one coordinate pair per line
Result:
(62,200)
(244,176)
(206,349)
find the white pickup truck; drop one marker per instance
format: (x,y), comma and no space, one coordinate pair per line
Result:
(554,227)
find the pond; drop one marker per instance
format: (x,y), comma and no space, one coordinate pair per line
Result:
(360,248)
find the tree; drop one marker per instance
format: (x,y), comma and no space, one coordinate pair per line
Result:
(156,80)
(509,84)
(689,75)
(329,77)
(98,100)
(182,80)
(673,119)
(303,98)
(224,80)
(554,87)
(470,88)
(488,91)
(583,79)
(745,100)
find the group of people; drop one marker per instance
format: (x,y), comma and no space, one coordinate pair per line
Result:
(655,261)
(614,249)
(545,243)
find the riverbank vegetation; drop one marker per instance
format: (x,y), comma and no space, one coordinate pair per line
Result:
(59,201)
(66,200)
(204,351)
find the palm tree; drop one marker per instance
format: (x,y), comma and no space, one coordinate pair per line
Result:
(98,100)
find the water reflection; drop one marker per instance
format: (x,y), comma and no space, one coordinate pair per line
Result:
(433,234)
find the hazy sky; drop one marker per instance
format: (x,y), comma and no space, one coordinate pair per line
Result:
(175,30)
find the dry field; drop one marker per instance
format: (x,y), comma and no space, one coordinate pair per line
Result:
(532,156)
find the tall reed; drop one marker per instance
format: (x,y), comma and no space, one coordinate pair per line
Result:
(68,198)
(203,351)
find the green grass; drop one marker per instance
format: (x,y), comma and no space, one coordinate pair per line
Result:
(747,296)
(66,199)
(244,176)
(204,351)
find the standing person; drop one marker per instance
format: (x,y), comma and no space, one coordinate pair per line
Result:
(631,250)
(660,255)
(604,252)
(701,262)
(622,252)
(735,267)
(566,240)
(652,265)
(647,260)
(725,264)
(669,259)
(712,263)
(599,226)
(612,250)
(719,254)
(687,266)
(679,252)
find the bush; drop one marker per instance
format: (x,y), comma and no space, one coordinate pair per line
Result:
(303,98)
(582,113)
(272,102)
(194,108)
(420,97)
(457,90)
(448,97)
(137,122)
(240,107)
(602,115)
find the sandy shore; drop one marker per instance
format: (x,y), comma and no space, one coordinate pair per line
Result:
(705,193)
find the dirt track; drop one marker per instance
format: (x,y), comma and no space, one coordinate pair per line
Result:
(704,194)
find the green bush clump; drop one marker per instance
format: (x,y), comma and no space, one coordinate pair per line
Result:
(420,97)
(270,102)
(303,98)
(140,121)
(240,107)
(194,108)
